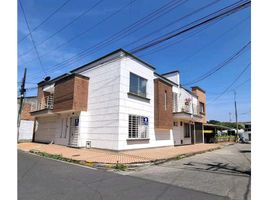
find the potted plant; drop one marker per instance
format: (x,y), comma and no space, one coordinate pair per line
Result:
(187,101)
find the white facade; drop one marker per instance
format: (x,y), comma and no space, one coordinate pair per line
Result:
(105,124)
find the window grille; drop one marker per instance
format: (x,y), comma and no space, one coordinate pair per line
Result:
(137,127)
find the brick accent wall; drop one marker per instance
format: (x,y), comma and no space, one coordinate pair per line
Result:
(163,117)
(201,98)
(71,94)
(25,113)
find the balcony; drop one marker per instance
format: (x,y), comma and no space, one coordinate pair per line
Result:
(68,94)
(46,103)
(187,112)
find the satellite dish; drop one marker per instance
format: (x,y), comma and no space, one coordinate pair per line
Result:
(47,78)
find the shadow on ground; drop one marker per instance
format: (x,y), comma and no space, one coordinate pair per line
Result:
(217,167)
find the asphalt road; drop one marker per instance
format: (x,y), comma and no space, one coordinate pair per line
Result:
(225,172)
(43,179)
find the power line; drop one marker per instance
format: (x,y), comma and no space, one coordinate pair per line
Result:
(213,41)
(46,19)
(171,23)
(124,32)
(220,66)
(242,83)
(25,18)
(64,27)
(75,37)
(235,80)
(218,15)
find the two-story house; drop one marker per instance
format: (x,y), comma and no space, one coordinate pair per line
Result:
(119,102)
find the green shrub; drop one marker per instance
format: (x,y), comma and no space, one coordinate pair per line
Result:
(120,166)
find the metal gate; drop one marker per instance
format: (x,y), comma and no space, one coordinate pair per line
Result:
(74,131)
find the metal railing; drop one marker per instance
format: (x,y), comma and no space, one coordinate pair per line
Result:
(46,103)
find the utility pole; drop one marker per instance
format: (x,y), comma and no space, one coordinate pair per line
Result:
(235,115)
(22,92)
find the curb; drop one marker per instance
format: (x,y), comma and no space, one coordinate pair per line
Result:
(118,166)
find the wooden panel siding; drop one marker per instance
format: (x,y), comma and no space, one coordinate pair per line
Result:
(163,117)
(71,94)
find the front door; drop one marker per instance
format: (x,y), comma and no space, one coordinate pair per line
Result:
(74,124)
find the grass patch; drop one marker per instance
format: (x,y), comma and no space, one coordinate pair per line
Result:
(120,166)
(56,157)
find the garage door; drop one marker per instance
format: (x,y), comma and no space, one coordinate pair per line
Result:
(46,129)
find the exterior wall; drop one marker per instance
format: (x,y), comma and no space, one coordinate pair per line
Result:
(40,95)
(163,117)
(63,96)
(71,94)
(25,113)
(174,77)
(178,133)
(80,94)
(183,94)
(26,130)
(100,123)
(29,104)
(201,98)
(129,105)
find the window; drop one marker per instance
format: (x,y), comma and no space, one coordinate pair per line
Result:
(137,85)
(165,100)
(137,126)
(186,130)
(202,107)
(175,102)
(175,123)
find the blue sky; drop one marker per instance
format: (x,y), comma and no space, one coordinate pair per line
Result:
(193,54)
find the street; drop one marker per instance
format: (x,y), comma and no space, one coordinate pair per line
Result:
(225,172)
(44,179)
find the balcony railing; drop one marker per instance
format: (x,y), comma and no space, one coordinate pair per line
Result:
(46,103)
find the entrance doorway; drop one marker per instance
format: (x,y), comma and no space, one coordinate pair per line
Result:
(74,131)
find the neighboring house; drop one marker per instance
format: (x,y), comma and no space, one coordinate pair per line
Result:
(119,102)
(247,125)
(26,128)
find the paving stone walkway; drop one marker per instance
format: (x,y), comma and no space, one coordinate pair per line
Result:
(112,157)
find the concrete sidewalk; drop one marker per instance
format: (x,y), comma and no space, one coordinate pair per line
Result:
(125,157)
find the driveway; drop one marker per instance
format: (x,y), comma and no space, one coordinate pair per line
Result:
(225,172)
(44,179)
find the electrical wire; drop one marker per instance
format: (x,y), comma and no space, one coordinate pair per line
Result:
(28,26)
(219,66)
(77,36)
(218,15)
(64,27)
(45,20)
(234,81)
(122,33)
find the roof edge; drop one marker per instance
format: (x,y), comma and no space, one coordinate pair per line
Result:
(172,72)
